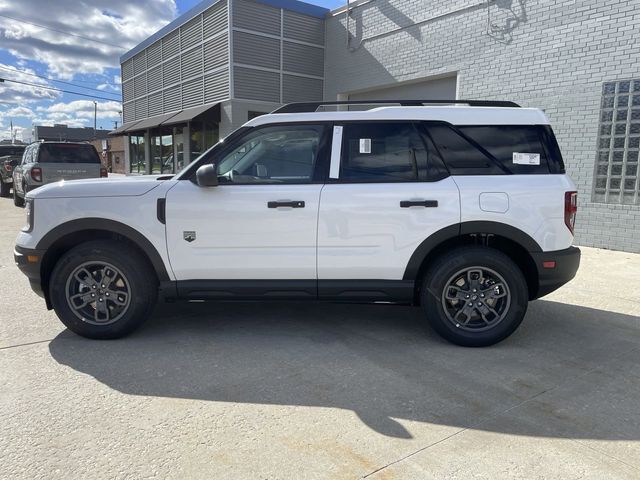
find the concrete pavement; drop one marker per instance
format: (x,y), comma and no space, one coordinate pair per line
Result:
(323,391)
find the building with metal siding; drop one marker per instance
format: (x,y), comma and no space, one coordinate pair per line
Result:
(201,76)
(581,65)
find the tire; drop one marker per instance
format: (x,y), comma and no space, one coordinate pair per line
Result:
(17,200)
(458,279)
(5,189)
(129,297)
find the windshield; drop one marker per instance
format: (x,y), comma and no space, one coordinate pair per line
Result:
(13,150)
(67,153)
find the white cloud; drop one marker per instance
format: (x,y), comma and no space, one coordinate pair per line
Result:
(77,113)
(116,22)
(21,133)
(16,94)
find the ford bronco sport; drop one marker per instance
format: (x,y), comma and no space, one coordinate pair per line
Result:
(463,209)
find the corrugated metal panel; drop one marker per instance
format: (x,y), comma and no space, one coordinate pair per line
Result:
(192,94)
(127,90)
(127,70)
(216,87)
(155,104)
(128,111)
(303,27)
(140,85)
(216,53)
(302,59)
(140,63)
(171,71)
(141,108)
(154,79)
(191,63)
(191,32)
(256,50)
(170,45)
(171,99)
(256,84)
(256,16)
(215,19)
(300,89)
(154,54)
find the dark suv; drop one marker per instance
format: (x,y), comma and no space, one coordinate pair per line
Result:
(10,156)
(48,162)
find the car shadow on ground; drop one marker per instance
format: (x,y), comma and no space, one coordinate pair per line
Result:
(572,371)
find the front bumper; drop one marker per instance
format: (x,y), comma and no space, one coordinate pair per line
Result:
(29,261)
(566,263)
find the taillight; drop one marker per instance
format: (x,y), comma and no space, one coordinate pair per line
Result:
(36,174)
(103,172)
(7,166)
(570,209)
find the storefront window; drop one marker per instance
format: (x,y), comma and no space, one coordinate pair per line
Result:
(162,153)
(136,150)
(204,135)
(178,139)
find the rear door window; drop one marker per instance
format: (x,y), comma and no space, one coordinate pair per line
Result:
(382,152)
(67,153)
(11,151)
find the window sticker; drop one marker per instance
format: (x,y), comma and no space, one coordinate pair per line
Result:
(365,145)
(526,158)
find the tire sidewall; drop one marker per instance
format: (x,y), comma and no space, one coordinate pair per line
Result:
(457,260)
(142,289)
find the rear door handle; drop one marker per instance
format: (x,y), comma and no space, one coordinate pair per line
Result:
(419,203)
(290,204)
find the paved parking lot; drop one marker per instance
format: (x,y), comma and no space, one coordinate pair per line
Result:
(303,391)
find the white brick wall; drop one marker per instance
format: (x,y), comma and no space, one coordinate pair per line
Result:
(556,57)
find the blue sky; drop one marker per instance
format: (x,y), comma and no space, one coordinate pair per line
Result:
(73,45)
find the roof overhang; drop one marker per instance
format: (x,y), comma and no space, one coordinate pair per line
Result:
(209,112)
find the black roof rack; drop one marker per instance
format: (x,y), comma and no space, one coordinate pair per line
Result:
(302,107)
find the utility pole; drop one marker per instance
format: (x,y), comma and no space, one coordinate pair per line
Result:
(95,118)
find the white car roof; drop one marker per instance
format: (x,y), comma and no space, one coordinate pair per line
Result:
(456,115)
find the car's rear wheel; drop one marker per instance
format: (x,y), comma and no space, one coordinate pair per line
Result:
(103,289)
(5,189)
(474,296)
(18,201)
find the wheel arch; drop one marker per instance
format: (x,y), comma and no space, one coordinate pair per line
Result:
(513,242)
(70,234)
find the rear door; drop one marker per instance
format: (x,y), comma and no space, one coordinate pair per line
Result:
(387,194)
(68,161)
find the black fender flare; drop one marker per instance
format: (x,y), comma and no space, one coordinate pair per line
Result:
(112,226)
(465,228)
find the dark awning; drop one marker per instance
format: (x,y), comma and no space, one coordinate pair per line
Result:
(152,122)
(124,127)
(210,110)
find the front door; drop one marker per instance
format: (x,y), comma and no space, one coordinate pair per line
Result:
(260,222)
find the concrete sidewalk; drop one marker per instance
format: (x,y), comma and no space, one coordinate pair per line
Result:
(299,391)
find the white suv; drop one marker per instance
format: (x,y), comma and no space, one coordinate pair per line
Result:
(463,210)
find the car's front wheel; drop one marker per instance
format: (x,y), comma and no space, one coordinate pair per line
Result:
(103,289)
(474,296)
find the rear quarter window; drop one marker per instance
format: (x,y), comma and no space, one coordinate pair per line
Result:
(497,149)
(67,153)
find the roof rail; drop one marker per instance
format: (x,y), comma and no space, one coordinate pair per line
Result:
(302,107)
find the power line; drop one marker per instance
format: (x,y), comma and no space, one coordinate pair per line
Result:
(55,80)
(63,32)
(57,89)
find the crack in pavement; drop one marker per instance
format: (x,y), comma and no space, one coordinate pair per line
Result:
(496,415)
(25,344)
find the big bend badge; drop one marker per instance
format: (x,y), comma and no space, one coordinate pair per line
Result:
(189,235)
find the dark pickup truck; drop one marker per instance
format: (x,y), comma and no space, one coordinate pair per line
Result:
(10,156)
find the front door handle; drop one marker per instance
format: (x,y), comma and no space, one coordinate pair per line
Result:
(419,203)
(290,204)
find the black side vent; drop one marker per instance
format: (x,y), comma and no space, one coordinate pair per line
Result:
(161,210)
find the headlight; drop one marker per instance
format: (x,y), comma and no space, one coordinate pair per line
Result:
(28,208)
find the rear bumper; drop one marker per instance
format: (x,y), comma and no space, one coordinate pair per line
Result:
(566,265)
(29,260)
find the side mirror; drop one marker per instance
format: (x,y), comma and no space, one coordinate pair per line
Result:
(207,175)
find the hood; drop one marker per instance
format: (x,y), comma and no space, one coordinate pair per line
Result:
(131,186)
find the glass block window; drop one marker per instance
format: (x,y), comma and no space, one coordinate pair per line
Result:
(616,173)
